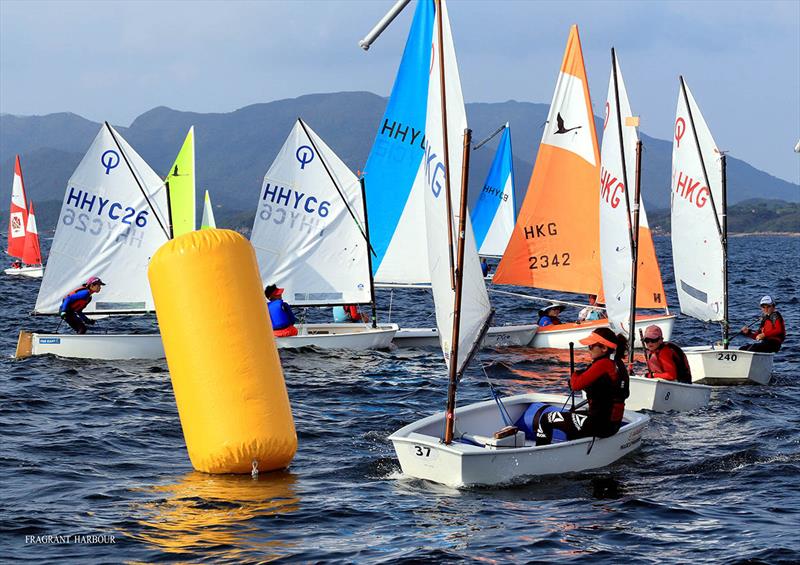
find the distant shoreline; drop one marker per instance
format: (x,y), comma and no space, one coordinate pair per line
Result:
(745,234)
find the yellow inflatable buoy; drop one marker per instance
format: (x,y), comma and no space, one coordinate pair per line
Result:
(221,353)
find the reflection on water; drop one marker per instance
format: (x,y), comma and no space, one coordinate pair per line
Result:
(218,514)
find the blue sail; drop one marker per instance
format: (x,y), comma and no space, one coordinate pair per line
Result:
(494,214)
(392,172)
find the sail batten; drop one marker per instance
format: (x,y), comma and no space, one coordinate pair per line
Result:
(307,232)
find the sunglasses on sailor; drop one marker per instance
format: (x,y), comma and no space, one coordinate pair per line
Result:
(651,340)
(593,345)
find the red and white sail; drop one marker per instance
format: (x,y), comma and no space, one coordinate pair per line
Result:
(18,216)
(31,253)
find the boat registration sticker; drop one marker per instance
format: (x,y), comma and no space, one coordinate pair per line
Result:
(423,451)
(49,340)
(726,357)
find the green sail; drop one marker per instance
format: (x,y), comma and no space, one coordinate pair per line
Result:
(182,188)
(208,221)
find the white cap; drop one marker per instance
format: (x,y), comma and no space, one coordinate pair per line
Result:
(767,300)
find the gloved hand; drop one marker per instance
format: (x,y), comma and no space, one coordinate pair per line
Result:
(62,314)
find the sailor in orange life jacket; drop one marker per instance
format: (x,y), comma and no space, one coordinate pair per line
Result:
(72,305)
(772,331)
(606,386)
(280,313)
(665,360)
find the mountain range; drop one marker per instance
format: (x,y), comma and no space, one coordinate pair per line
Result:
(235,149)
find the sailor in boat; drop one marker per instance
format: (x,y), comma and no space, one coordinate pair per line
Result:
(665,360)
(72,305)
(549,316)
(772,331)
(606,384)
(16,265)
(485,268)
(349,313)
(280,313)
(591,312)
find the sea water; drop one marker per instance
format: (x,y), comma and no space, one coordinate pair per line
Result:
(94,467)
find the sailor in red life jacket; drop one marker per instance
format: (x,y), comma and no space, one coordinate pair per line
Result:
(349,313)
(72,305)
(280,313)
(772,331)
(606,386)
(665,360)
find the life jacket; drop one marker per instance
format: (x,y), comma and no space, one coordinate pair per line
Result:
(548,321)
(529,421)
(340,315)
(281,318)
(75,305)
(607,395)
(681,363)
(772,324)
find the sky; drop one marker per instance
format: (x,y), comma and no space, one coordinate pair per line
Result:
(114,60)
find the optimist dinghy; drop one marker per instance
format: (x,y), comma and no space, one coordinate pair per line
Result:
(311,237)
(556,246)
(23,237)
(700,247)
(395,175)
(457,447)
(619,246)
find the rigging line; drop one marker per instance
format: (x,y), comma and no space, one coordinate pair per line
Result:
(333,181)
(485,141)
(543,299)
(136,178)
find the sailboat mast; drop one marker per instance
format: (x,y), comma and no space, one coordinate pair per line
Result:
(443,98)
(722,230)
(169,211)
(369,252)
(637,196)
(631,240)
(725,321)
(459,280)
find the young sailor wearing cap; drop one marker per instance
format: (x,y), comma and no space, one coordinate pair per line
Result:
(772,331)
(606,384)
(548,315)
(665,360)
(280,313)
(72,305)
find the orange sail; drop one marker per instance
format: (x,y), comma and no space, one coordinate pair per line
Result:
(32,254)
(555,241)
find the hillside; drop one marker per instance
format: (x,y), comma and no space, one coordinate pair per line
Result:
(235,149)
(751,216)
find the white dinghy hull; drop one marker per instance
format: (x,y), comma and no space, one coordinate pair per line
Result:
(500,336)
(149,346)
(659,395)
(32,272)
(717,366)
(422,455)
(560,336)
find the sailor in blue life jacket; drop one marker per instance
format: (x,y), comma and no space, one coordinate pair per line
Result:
(280,313)
(485,268)
(349,313)
(72,305)
(592,312)
(548,316)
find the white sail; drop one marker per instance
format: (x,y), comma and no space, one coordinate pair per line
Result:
(108,227)
(617,186)
(208,221)
(697,252)
(308,231)
(475,307)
